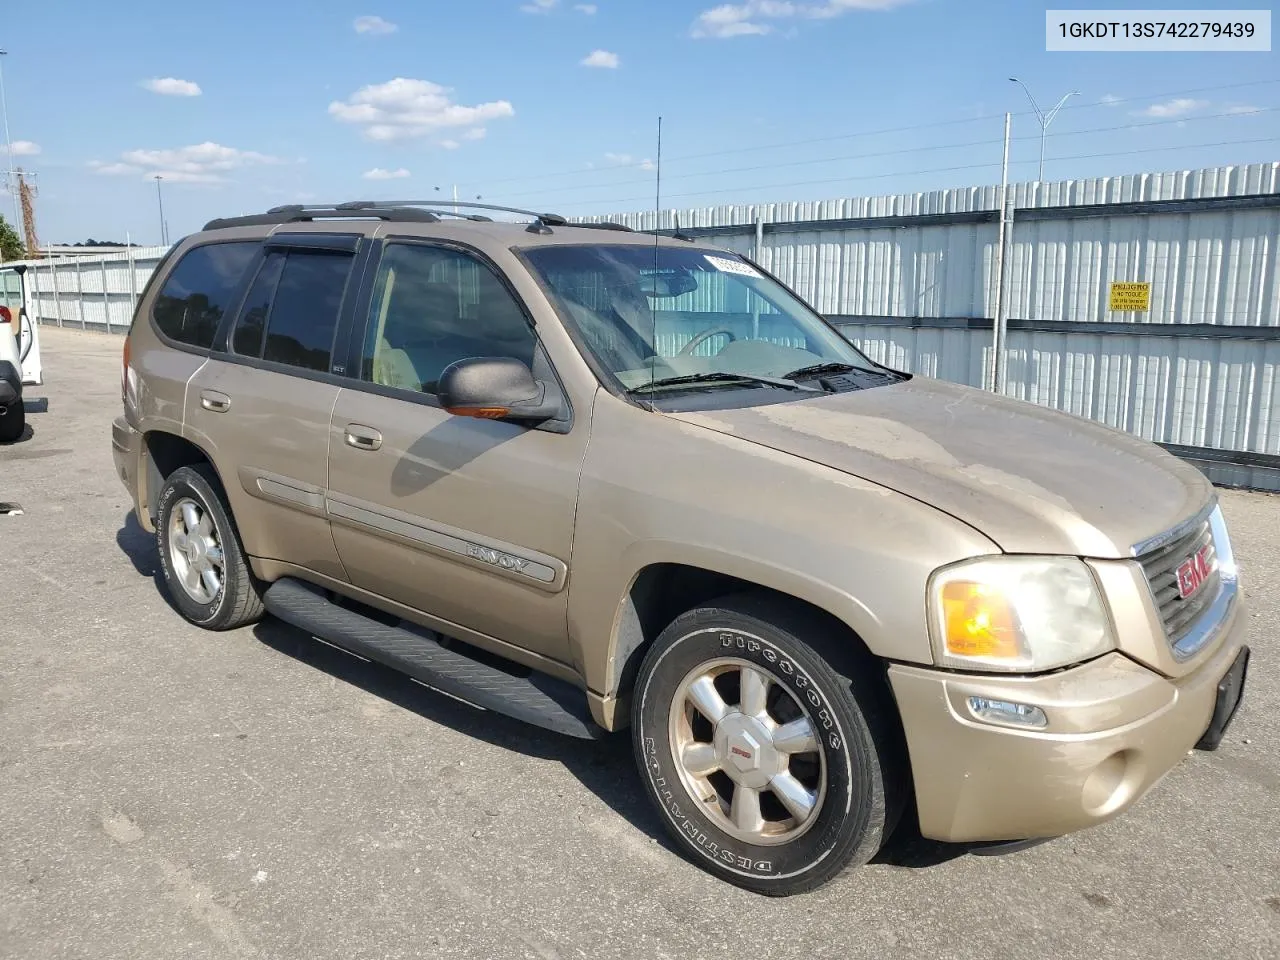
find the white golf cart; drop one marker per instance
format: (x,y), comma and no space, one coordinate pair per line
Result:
(19,352)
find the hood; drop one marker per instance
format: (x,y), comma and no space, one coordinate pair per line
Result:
(1031,479)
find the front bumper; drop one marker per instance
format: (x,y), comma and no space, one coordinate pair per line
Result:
(1115,728)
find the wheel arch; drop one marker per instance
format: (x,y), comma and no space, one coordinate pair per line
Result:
(163,453)
(662,590)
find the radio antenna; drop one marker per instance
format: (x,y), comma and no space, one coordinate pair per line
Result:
(657,226)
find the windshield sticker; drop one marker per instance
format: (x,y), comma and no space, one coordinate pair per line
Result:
(725,265)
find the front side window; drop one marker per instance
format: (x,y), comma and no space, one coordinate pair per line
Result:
(433,306)
(291,311)
(199,291)
(659,313)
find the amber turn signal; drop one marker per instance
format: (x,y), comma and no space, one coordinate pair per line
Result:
(979,621)
(484,413)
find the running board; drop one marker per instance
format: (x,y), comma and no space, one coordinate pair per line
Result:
(538,699)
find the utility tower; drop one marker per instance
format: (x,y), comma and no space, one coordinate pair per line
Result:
(27,192)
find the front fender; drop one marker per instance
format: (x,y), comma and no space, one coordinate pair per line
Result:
(656,490)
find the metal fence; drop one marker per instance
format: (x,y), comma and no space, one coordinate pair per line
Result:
(912,280)
(86,292)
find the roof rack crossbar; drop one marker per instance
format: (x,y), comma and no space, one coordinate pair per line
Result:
(295,213)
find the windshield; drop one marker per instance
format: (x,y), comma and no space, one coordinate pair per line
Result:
(657,313)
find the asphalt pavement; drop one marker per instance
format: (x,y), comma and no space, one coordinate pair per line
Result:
(171,793)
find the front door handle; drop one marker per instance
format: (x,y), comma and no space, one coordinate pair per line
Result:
(362,437)
(215,401)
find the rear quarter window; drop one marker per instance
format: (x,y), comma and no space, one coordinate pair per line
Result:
(199,291)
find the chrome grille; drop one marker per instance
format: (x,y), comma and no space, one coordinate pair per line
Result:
(1161,567)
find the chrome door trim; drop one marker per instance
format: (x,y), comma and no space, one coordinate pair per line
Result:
(483,553)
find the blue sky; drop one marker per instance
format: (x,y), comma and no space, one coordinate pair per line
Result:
(553,104)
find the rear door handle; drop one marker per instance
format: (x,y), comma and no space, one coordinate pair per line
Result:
(362,437)
(215,401)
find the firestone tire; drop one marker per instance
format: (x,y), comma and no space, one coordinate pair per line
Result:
(863,779)
(237,601)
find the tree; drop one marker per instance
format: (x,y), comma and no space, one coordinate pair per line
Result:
(10,243)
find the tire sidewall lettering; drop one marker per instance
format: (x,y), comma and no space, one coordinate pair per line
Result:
(200,612)
(672,795)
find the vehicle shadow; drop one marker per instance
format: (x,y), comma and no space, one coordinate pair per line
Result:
(605,767)
(140,547)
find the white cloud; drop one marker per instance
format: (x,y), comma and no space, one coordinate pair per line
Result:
(450,144)
(24,148)
(377,173)
(745,19)
(1179,107)
(539,6)
(113,169)
(403,109)
(626,160)
(1110,100)
(601,58)
(478,133)
(206,162)
(1234,111)
(588,8)
(172,87)
(375,26)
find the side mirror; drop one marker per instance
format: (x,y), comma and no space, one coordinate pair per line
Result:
(494,388)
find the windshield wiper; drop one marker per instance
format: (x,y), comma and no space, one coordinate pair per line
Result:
(693,379)
(818,369)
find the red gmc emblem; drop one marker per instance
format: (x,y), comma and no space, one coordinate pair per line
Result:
(740,752)
(1193,572)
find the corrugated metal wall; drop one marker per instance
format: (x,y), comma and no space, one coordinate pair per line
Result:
(912,280)
(89,292)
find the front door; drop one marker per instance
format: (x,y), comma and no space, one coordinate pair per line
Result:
(263,401)
(467,520)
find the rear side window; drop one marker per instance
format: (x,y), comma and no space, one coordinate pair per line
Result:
(291,312)
(199,291)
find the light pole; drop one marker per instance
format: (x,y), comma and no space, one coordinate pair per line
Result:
(164,230)
(455,195)
(8,143)
(1044,118)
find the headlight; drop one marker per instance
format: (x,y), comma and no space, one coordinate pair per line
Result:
(1017,614)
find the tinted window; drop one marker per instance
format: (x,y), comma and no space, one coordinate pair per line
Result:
(199,290)
(294,301)
(305,312)
(433,306)
(247,339)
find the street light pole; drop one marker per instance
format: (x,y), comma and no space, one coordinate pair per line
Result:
(8,142)
(1044,118)
(164,231)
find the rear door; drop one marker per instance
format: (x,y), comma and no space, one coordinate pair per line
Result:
(263,402)
(467,520)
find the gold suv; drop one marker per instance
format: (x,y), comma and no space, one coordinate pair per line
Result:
(594,478)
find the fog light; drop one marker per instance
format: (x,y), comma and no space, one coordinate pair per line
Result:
(1002,711)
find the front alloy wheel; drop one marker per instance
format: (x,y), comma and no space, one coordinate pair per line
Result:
(748,751)
(768,741)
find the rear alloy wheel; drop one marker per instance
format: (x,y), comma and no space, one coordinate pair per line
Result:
(771,768)
(204,565)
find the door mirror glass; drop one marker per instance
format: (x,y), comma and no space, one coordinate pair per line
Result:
(495,388)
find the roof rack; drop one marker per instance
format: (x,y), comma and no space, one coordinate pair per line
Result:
(401,211)
(296,213)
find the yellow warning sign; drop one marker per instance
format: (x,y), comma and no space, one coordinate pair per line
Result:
(1131,296)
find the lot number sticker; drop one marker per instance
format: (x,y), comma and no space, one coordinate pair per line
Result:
(1130,297)
(725,265)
